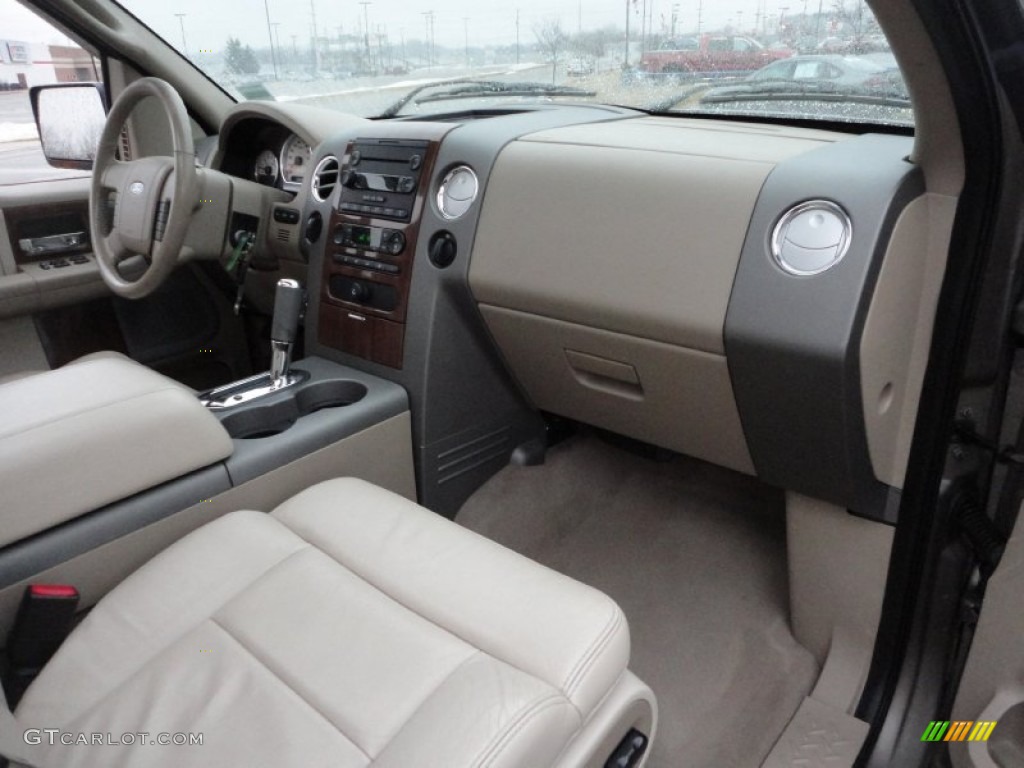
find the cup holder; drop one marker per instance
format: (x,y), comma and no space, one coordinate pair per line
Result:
(257,421)
(334,393)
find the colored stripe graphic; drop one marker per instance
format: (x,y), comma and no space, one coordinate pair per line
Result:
(983,730)
(959,730)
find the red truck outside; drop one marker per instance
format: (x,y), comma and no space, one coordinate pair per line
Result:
(710,56)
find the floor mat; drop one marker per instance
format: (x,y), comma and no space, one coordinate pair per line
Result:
(695,556)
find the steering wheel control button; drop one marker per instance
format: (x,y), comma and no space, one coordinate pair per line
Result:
(811,238)
(457,192)
(162,212)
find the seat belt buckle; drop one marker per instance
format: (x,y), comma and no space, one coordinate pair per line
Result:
(45,619)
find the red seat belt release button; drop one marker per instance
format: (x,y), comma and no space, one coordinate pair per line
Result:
(44,620)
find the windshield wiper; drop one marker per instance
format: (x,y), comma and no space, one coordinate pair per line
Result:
(781,91)
(469,89)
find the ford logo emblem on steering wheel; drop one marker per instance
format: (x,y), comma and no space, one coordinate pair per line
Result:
(136,187)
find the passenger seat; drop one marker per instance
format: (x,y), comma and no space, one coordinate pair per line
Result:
(350,627)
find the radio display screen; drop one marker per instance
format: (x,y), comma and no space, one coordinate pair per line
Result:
(362,236)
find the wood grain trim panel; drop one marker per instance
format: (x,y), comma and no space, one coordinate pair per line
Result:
(357,328)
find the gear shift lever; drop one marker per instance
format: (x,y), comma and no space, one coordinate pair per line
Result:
(287,306)
(288,302)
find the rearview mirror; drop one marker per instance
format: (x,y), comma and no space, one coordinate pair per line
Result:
(70,118)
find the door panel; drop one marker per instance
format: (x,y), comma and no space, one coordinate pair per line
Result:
(34,278)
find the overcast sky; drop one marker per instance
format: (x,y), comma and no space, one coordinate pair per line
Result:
(208,23)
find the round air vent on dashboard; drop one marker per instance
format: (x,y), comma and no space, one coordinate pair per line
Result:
(325,178)
(811,238)
(457,192)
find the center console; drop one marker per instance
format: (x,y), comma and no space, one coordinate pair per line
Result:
(371,239)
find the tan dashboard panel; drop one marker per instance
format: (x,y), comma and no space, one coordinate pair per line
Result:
(625,239)
(677,398)
(690,136)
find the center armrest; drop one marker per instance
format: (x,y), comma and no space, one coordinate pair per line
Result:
(83,436)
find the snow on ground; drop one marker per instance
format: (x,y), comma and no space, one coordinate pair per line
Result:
(17,132)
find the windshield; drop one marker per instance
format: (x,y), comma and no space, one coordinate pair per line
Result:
(386,58)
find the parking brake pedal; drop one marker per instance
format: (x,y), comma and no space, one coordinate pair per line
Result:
(44,620)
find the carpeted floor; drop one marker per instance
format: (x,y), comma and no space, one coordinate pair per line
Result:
(695,555)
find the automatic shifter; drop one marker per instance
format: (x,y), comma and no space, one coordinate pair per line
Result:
(287,308)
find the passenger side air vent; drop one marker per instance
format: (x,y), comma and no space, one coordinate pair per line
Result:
(325,178)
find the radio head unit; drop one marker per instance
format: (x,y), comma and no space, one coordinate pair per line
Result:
(380,178)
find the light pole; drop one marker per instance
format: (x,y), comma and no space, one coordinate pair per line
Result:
(366,27)
(517,35)
(465,24)
(625,57)
(312,37)
(428,21)
(184,44)
(277,39)
(270,36)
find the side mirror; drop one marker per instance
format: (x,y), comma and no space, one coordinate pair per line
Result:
(70,118)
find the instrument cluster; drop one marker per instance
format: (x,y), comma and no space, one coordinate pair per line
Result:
(286,165)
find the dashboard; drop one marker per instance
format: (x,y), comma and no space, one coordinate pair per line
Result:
(757,296)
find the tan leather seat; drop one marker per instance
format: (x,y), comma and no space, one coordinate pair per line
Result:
(350,627)
(104,355)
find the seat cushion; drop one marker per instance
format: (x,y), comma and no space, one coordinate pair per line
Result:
(349,628)
(104,355)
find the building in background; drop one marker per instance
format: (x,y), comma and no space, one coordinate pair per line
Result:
(23,65)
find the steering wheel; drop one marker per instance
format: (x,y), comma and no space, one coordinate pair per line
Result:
(142,207)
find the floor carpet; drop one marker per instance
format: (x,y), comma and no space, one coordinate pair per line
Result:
(696,557)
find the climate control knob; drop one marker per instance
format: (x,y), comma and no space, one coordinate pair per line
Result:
(396,243)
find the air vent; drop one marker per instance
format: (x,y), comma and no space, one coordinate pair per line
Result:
(457,192)
(325,178)
(811,238)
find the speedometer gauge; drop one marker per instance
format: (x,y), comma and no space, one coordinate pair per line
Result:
(295,159)
(265,171)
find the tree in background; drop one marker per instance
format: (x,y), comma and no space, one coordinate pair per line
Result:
(239,59)
(551,40)
(594,43)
